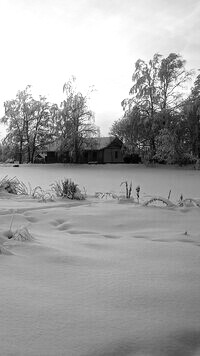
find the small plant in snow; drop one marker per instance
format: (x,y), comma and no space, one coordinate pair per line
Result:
(15,186)
(106,195)
(169,194)
(22,234)
(67,189)
(41,194)
(180,202)
(46,195)
(10,185)
(128,189)
(138,193)
(10,232)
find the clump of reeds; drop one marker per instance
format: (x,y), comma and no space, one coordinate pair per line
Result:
(10,185)
(13,186)
(64,188)
(128,188)
(17,187)
(67,189)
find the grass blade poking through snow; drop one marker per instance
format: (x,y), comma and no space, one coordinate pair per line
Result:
(10,233)
(138,193)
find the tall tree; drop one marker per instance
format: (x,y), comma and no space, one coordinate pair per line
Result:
(75,124)
(130,129)
(145,94)
(155,92)
(40,130)
(16,116)
(28,123)
(172,75)
(191,112)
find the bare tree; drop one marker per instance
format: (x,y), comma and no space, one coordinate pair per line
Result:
(75,124)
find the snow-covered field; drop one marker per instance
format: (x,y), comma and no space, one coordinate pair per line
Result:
(108,177)
(99,278)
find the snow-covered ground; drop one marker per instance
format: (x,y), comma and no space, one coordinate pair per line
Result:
(159,180)
(101,278)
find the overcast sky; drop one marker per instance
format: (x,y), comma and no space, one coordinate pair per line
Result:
(44,42)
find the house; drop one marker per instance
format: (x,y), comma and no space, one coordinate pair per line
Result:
(40,157)
(103,150)
(95,150)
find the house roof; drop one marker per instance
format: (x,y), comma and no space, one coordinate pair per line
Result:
(104,142)
(95,143)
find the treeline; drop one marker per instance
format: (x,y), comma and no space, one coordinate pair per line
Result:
(159,122)
(33,124)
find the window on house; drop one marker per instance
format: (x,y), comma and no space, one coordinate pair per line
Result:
(116,154)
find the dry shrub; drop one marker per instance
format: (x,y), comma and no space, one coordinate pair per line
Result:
(11,185)
(67,189)
(17,187)
(128,189)
(22,234)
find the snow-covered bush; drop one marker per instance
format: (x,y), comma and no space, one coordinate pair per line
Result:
(22,234)
(10,185)
(67,189)
(15,186)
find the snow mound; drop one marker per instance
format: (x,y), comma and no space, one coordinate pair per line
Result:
(22,234)
(4,251)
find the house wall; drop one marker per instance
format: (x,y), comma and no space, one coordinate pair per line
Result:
(89,156)
(51,157)
(112,155)
(106,155)
(56,157)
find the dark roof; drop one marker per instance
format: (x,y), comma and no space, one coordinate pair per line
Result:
(104,142)
(95,143)
(98,143)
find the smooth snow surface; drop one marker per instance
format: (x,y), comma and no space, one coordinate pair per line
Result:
(99,278)
(153,180)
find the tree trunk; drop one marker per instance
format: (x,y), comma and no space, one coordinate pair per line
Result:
(33,155)
(152,146)
(29,153)
(76,150)
(20,151)
(33,150)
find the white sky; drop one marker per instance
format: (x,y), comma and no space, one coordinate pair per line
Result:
(44,42)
